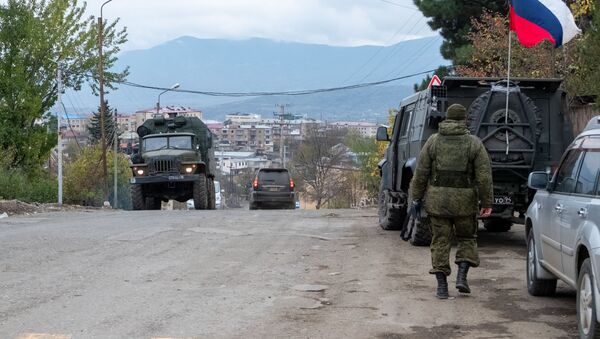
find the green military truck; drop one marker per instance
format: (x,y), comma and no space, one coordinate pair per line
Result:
(175,161)
(530,136)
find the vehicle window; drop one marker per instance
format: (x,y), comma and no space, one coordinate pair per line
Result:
(405,123)
(567,173)
(274,177)
(153,144)
(180,142)
(588,173)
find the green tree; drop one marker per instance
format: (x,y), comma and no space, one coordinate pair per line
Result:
(453,19)
(110,126)
(81,185)
(35,37)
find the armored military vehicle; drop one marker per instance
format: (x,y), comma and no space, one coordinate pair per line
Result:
(530,135)
(175,161)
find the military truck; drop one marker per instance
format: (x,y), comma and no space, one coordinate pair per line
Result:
(530,136)
(175,161)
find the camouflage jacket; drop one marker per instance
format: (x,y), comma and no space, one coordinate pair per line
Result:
(453,150)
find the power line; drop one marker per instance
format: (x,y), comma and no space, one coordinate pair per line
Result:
(399,5)
(292,93)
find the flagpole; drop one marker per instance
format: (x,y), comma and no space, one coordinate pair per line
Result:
(508,86)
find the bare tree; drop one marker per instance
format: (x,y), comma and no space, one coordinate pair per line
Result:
(316,163)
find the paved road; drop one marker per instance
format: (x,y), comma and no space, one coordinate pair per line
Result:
(253,274)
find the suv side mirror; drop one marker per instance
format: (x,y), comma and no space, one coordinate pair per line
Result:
(538,180)
(382,134)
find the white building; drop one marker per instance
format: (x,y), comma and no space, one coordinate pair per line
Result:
(365,129)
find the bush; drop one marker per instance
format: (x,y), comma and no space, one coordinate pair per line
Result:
(16,184)
(82,179)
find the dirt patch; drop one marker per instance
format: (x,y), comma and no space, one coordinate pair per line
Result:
(16,207)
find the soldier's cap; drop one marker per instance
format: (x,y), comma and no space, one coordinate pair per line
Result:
(456,112)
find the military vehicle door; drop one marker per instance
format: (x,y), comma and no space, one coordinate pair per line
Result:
(402,141)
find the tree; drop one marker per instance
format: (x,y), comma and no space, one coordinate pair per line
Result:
(81,184)
(453,18)
(489,38)
(316,162)
(35,37)
(584,72)
(110,126)
(368,155)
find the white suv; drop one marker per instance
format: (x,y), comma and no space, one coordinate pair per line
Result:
(563,228)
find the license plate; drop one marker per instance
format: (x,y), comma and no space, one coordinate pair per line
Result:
(503,200)
(175,177)
(273,189)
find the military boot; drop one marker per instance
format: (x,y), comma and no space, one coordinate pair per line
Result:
(461,278)
(442,288)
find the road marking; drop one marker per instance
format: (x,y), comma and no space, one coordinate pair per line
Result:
(44,336)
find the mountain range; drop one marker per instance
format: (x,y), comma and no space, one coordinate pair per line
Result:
(260,65)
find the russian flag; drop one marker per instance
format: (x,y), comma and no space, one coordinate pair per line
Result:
(537,20)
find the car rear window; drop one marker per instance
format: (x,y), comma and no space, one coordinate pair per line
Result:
(276,177)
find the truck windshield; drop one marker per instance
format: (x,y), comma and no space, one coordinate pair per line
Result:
(175,142)
(180,142)
(153,144)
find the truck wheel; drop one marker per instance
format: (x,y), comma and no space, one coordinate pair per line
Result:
(200,193)
(211,194)
(497,225)
(389,219)
(421,232)
(138,200)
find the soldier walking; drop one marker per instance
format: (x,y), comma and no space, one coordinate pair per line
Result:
(453,176)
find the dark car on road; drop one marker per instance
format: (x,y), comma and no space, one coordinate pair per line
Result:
(272,188)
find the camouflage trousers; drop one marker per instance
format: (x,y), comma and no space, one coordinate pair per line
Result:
(465,232)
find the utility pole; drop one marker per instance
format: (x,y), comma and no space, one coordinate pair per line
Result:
(59,146)
(102,106)
(281,115)
(115,149)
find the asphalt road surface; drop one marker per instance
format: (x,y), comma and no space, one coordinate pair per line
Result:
(254,274)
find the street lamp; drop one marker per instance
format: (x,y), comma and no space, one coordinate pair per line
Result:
(163,92)
(102,108)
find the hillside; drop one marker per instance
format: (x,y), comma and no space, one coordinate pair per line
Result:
(264,65)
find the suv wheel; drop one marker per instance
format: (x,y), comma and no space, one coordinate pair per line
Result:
(535,286)
(389,219)
(586,307)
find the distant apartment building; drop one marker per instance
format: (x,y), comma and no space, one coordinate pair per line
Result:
(126,122)
(243,118)
(76,122)
(365,129)
(234,162)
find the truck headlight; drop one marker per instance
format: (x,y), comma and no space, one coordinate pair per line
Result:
(140,171)
(189,170)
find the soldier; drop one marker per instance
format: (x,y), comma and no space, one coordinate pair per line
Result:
(453,175)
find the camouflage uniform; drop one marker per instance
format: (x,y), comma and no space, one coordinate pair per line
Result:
(453,174)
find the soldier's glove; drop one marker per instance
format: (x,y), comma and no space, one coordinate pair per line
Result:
(415,208)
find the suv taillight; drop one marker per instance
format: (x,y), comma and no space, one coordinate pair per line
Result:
(292,185)
(255,183)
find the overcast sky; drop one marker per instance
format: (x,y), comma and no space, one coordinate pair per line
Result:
(331,22)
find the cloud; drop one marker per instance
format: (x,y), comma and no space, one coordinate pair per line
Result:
(332,22)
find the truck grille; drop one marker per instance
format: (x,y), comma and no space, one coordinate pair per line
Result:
(161,166)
